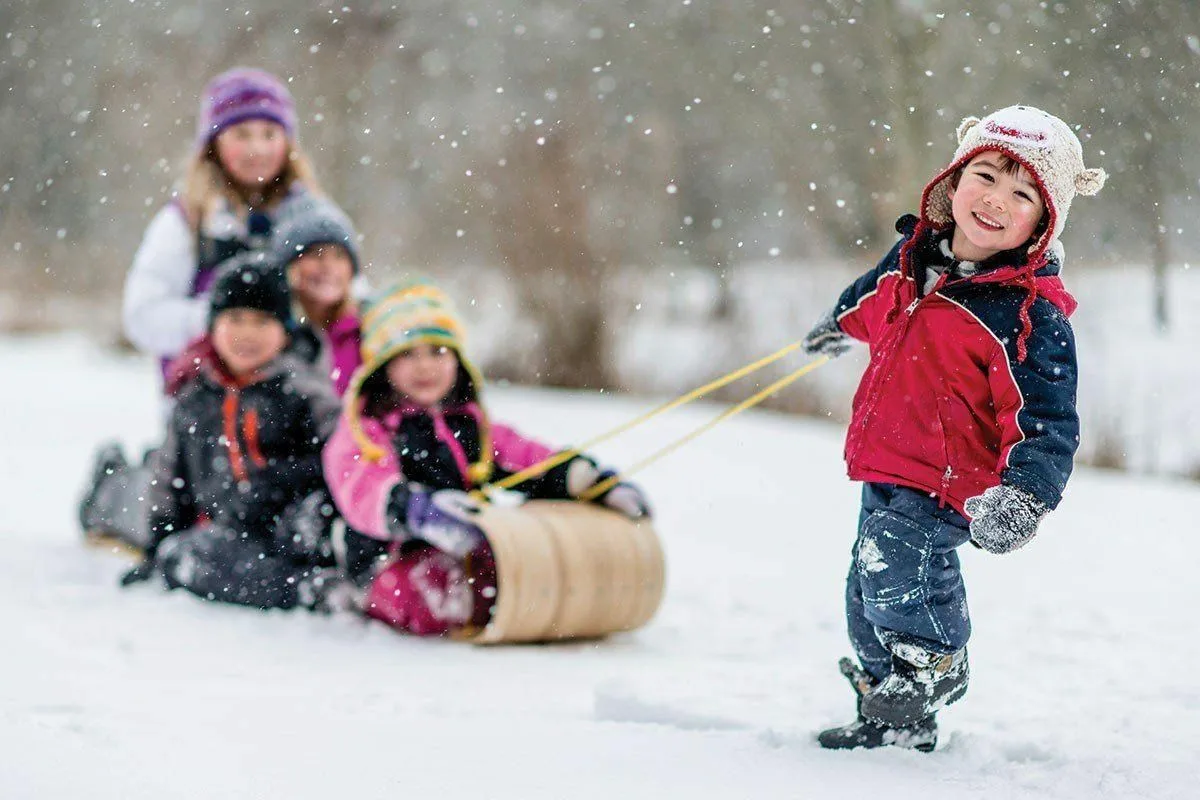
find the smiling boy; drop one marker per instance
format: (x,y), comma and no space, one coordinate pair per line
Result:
(964,425)
(243,451)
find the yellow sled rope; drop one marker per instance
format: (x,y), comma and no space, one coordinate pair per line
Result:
(600,488)
(751,401)
(565,570)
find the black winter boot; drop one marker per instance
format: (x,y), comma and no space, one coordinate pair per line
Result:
(869,734)
(303,529)
(327,591)
(922,682)
(108,461)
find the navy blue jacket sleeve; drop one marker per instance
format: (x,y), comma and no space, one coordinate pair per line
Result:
(851,311)
(1041,462)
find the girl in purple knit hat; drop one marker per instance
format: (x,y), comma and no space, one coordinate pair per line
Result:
(244,171)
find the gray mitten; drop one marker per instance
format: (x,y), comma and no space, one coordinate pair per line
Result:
(826,338)
(1004,518)
(624,498)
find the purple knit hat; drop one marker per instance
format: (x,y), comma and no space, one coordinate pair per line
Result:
(241,94)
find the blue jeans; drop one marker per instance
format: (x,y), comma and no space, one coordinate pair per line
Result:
(904,583)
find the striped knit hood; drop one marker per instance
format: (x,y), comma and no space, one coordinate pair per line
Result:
(396,319)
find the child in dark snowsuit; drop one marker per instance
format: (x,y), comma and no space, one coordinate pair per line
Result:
(242,449)
(412,440)
(964,425)
(314,243)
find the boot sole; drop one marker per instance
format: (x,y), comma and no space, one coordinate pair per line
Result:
(924,747)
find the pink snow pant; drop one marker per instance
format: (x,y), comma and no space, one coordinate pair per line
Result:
(426,592)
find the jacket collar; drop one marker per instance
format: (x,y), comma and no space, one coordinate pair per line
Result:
(200,360)
(1010,268)
(393,418)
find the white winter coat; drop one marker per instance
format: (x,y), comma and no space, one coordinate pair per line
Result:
(159,313)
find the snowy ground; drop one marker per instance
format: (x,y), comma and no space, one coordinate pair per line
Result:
(1082,659)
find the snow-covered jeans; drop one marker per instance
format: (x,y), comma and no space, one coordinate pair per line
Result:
(904,583)
(218,563)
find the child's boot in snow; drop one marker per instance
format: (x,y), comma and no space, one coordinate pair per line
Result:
(869,734)
(108,461)
(114,513)
(326,591)
(922,682)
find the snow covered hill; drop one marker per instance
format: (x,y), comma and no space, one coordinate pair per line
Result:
(1082,659)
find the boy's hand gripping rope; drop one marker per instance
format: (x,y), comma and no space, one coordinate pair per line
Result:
(600,488)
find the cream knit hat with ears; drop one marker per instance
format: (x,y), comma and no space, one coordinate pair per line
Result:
(1042,143)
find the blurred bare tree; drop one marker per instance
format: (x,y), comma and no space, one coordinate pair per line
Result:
(1143,111)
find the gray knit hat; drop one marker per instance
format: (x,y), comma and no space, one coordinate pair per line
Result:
(312,222)
(1042,143)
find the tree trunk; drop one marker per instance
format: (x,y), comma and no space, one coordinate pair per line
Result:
(1160,245)
(1161,260)
(544,243)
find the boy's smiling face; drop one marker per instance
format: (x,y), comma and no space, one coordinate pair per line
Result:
(995,208)
(247,339)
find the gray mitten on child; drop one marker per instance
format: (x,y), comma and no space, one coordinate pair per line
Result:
(1004,518)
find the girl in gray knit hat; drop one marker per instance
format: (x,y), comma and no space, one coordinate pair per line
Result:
(316,246)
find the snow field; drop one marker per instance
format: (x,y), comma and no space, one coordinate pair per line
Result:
(1082,654)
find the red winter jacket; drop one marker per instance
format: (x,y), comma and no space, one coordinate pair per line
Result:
(968,386)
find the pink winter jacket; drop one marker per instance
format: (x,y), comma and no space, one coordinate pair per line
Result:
(362,488)
(344,339)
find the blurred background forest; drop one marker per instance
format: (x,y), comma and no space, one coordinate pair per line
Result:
(577,163)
